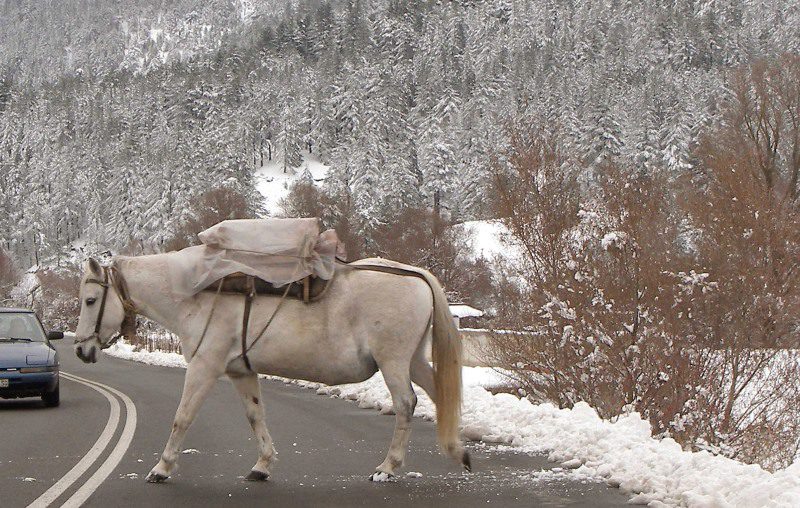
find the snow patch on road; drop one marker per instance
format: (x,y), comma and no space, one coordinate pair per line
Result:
(621,452)
(561,475)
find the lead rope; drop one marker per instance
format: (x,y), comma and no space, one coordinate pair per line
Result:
(208,321)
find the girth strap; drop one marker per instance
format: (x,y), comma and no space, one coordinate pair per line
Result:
(250,293)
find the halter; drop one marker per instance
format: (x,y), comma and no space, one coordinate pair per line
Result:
(111,277)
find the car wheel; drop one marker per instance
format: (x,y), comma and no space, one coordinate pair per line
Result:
(51,399)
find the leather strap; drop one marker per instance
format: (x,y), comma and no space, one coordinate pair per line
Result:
(113,278)
(306,288)
(269,322)
(208,319)
(387,269)
(250,292)
(99,321)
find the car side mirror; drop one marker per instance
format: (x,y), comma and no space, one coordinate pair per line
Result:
(55,335)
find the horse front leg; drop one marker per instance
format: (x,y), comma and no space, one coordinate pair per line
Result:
(200,377)
(250,390)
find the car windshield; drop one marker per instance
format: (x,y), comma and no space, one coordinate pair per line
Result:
(20,326)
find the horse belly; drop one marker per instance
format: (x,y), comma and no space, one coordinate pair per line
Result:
(318,362)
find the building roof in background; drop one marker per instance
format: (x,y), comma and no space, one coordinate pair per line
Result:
(460,310)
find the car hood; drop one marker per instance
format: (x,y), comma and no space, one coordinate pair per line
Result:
(21,354)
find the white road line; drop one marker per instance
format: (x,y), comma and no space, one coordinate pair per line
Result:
(91,456)
(105,469)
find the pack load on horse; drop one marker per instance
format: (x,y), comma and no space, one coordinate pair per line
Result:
(275,251)
(271,297)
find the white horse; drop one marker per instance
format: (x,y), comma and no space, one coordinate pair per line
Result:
(366,321)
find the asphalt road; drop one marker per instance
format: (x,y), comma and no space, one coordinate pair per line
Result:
(326,449)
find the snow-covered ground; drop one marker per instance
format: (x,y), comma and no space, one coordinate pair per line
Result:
(273,183)
(622,452)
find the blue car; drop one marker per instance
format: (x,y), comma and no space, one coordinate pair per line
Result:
(28,363)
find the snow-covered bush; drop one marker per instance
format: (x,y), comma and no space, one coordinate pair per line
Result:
(624,312)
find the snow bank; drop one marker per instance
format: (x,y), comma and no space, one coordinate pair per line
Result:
(123,350)
(657,472)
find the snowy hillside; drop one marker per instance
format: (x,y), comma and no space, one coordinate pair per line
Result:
(274,180)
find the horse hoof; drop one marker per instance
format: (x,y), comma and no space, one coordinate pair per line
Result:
(256,476)
(156,478)
(466,462)
(380,477)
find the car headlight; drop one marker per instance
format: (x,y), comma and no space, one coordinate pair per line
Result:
(31,370)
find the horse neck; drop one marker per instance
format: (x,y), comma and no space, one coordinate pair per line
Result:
(148,288)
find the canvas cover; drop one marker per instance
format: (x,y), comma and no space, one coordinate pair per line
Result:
(278,251)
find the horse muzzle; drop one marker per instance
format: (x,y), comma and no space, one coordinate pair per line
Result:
(86,352)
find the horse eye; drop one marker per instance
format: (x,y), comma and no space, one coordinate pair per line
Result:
(90,301)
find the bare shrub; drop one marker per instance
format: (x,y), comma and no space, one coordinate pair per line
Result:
(631,302)
(212,207)
(747,223)
(420,237)
(307,200)
(595,273)
(152,337)
(57,301)
(9,275)
(415,236)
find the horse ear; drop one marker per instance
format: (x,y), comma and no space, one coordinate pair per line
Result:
(93,266)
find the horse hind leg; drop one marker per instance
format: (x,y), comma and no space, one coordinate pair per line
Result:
(422,375)
(200,378)
(404,400)
(250,390)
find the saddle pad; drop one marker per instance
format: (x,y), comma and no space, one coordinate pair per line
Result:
(238,284)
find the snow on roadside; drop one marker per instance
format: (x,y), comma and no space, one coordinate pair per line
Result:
(623,453)
(122,349)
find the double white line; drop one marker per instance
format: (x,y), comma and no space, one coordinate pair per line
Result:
(105,469)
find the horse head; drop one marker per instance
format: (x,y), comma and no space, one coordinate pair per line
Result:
(103,310)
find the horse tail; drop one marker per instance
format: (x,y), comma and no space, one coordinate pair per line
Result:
(446,352)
